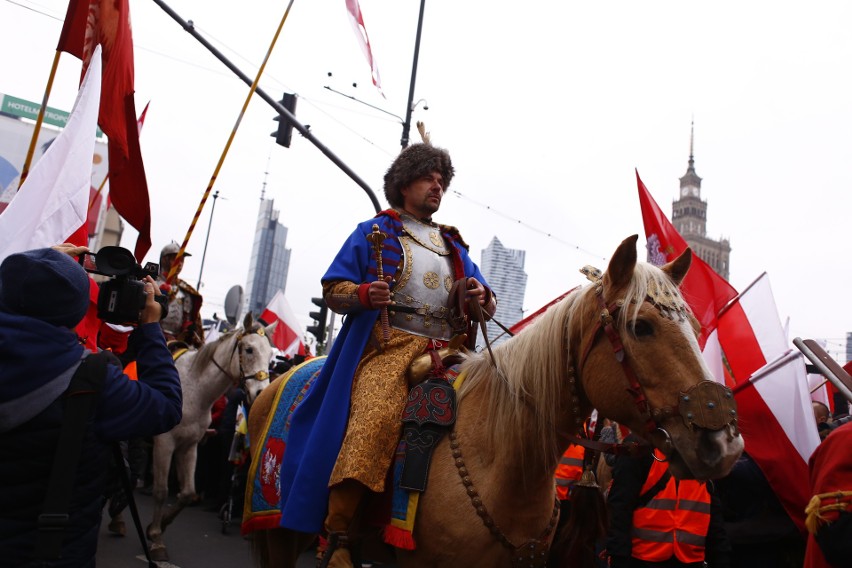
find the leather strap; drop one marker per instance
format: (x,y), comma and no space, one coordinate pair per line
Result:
(81,398)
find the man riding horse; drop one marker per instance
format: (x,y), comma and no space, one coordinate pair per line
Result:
(392,279)
(183,321)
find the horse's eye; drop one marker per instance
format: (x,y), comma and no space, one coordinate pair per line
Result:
(641,328)
(249,350)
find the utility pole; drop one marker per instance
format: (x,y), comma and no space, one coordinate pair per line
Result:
(406,126)
(207,239)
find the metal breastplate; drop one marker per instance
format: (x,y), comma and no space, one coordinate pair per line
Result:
(173,322)
(423,282)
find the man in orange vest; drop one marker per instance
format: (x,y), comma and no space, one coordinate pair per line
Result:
(657,521)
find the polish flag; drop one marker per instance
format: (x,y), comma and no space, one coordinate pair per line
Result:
(776,418)
(356,18)
(51,204)
(703,289)
(287,336)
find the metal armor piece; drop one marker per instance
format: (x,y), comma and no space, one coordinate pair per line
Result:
(179,306)
(424,282)
(708,405)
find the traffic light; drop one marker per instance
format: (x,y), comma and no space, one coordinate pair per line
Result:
(321,316)
(285,125)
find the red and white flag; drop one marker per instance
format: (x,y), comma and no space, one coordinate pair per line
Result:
(357,20)
(703,289)
(288,334)
(107,23)
(776,418)
(52,203)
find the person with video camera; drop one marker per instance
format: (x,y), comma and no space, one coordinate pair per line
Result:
(61,407)
(183,320)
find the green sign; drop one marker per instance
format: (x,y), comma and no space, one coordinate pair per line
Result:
(28,109)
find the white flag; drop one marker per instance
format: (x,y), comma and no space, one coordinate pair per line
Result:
(288,334)
(356,18)
(53,202)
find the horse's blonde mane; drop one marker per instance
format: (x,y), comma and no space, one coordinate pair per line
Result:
(522,396)
(205,354)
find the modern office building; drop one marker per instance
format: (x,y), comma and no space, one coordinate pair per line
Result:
(503,268)
(270,259)
(689,217)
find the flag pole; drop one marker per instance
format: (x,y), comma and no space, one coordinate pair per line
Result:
(98,192)
(173,270)
(39,119)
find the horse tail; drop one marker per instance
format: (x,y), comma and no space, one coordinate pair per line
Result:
(576,544)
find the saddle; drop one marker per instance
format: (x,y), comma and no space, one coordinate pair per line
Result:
(429,412)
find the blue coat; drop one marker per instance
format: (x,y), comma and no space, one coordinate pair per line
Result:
(32,355)
(319,423)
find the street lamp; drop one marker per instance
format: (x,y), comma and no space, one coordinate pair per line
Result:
(207,238)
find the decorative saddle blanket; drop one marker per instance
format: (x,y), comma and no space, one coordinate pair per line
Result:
(262,508)
(262,505)
(400,531)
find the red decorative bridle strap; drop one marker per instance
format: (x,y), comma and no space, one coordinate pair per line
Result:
(607,323)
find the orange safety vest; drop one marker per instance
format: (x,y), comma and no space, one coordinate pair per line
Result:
(130,371)
(569,470)
(674,522)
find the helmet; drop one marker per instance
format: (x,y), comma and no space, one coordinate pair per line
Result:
(171,248)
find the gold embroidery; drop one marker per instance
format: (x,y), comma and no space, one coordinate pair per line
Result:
(430,280)
(448,282)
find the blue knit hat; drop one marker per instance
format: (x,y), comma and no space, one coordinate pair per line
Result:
(44,284)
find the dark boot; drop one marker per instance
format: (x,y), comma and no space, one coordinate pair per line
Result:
(343,502)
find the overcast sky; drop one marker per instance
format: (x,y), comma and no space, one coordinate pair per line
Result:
(546,108)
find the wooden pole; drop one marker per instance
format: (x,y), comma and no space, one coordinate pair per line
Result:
(173,270)
(31,151)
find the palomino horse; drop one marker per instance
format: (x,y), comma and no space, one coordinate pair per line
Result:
(238,358)
(626,345)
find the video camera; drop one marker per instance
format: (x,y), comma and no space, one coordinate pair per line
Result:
(122,297)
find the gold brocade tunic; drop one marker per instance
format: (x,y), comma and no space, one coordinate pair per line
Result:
(379,394)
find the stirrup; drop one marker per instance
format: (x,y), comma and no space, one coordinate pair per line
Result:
(335,540)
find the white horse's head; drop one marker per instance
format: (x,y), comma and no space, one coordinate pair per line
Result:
(255,352)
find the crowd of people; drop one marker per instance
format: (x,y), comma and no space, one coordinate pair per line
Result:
(407,286)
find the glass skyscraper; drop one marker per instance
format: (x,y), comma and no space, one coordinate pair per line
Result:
(270,259)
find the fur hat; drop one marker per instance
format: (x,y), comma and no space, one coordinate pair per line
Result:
(44,284)
(412,163)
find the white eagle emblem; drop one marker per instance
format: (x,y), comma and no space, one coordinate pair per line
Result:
(655,256)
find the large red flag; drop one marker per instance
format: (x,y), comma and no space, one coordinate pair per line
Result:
(107,22)
(703,289)
(776,418)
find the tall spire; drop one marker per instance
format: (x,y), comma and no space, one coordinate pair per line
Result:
(265,176)
(691,145)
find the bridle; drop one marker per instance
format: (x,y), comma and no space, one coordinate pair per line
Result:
(707,404)
(240,379)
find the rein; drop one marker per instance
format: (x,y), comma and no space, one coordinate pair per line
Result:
(240,380)
(706,404)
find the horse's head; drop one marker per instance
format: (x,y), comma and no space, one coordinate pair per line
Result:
(640,364)
(255,352)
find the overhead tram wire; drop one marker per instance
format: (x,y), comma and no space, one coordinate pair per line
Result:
(531,227)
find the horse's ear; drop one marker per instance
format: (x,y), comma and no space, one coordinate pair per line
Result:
(247,322)
(269,330)
(620,269)
(678,268)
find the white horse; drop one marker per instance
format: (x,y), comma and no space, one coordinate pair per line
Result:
(238,358)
